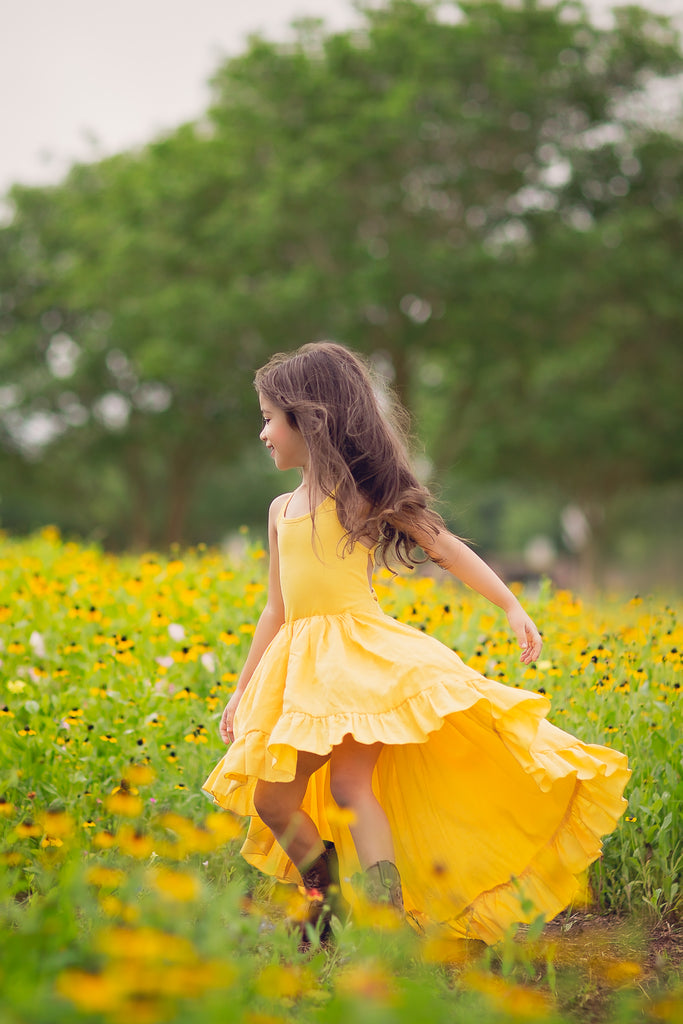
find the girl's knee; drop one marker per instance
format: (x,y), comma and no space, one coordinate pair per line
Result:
(268,804)
(347,787)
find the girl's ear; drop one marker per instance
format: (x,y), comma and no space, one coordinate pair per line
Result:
(291,419)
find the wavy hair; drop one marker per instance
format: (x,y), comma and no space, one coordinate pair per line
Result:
(358,450)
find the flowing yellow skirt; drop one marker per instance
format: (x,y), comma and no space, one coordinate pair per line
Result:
(495,812)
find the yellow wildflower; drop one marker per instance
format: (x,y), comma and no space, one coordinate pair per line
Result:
(104,877)
(91,993)
(126,804)
(284,981)
(140,774)
(175,885)
(6,808)
(368,981)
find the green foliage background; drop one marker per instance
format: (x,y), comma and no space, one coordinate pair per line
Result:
(487,205)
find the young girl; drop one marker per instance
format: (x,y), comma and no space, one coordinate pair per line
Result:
(464,803)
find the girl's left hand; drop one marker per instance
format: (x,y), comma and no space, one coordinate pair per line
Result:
(528,637)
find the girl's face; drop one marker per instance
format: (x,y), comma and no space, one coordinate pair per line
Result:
(284,442)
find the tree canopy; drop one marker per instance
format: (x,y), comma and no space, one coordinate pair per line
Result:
(482,202)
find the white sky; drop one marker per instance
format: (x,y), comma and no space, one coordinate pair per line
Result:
(80,78)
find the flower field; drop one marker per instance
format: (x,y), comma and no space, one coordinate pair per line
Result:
(124,898)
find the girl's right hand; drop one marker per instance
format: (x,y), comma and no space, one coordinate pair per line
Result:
(228,718)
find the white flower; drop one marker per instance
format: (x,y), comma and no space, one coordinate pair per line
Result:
(37,644)
(176,631)
(166,661)
(208,661)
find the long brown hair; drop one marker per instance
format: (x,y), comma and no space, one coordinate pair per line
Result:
(358,451)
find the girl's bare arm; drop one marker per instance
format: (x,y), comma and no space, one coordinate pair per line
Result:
(270,620)
(458,559)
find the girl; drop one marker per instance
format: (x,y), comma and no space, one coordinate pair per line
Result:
(464,803)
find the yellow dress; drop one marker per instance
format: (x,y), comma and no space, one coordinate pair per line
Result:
(494,811)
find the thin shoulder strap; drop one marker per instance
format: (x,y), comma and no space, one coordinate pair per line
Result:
(283,510)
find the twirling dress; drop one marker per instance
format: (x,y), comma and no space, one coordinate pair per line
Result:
(494,811)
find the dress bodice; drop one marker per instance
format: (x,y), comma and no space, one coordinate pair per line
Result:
(316,576)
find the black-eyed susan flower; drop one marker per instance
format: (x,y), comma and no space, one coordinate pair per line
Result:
(124,803)
(71,648)
(6,808)
(48,840)
(57,823)
(198,735)
(185,694)
(26,829)
(104,840)
(134,842)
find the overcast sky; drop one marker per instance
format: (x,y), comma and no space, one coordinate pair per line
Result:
(80,79)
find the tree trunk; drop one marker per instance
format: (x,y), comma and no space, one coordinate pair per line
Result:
(140,527)
(180,490)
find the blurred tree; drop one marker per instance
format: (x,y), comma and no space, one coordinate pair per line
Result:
(456,195)
(123,340)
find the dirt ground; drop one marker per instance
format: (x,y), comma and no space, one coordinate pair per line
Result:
(597,958)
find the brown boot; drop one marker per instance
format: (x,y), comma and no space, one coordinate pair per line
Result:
(321,882)
(383,885)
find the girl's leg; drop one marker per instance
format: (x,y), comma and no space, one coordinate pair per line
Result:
(278,805)
(351,768)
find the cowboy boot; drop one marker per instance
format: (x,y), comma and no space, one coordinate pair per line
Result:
(383,885)
(321,882)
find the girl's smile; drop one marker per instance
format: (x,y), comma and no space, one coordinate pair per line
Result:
(284,442)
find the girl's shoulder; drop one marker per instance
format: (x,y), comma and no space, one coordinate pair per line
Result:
(277,505)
